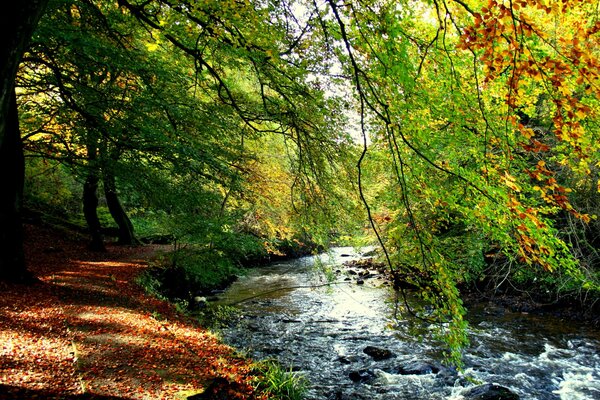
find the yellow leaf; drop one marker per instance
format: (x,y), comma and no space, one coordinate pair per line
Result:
(509,181)
(151,46)
(580,113)
(527,132)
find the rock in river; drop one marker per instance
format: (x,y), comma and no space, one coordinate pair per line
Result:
(361,376)
(377,353)
(418,368)
(490,391)
(347,359)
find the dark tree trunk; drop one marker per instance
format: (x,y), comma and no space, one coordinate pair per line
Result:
(90,211)
(126,234)
(12,167)
(18,19)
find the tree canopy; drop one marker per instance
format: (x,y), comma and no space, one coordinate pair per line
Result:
(463,134)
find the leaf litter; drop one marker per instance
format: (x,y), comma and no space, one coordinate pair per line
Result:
(87,331)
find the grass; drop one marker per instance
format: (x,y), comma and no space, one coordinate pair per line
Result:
(278,383)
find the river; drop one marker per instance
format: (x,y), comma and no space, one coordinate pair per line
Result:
(321,331)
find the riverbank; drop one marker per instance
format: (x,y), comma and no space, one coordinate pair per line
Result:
(486,297)
(87,330)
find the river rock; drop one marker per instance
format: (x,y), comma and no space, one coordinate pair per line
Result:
(290,321)
(418,368)
(361,376)
(253,327)
(377,353)
(450,376)
(347,359)
(494,310)
(489,391)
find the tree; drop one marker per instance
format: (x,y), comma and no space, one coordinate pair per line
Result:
(446,92)
(19,20)
(75,86)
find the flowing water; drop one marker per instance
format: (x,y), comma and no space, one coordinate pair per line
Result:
(320,332)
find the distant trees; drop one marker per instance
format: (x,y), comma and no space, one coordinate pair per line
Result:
(77,87)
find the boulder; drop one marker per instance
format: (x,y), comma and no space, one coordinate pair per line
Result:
(377,353)
(494,310)
(450,376)
(418,368)
(347,359)
(361,376)
(489,391)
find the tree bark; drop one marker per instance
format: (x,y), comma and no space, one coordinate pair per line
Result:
(126,233)
(90,211)
(12,167)
(18,20)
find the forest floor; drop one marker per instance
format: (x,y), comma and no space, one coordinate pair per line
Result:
(87,331)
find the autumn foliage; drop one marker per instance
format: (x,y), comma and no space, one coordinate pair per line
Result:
(536,50)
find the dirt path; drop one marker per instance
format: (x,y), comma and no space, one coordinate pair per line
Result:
(87,331)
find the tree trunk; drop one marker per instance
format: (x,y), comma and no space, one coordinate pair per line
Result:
(12,165)
(90,211)
(126,234)
(18,20)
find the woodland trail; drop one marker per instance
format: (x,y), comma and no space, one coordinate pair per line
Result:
(87,331)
